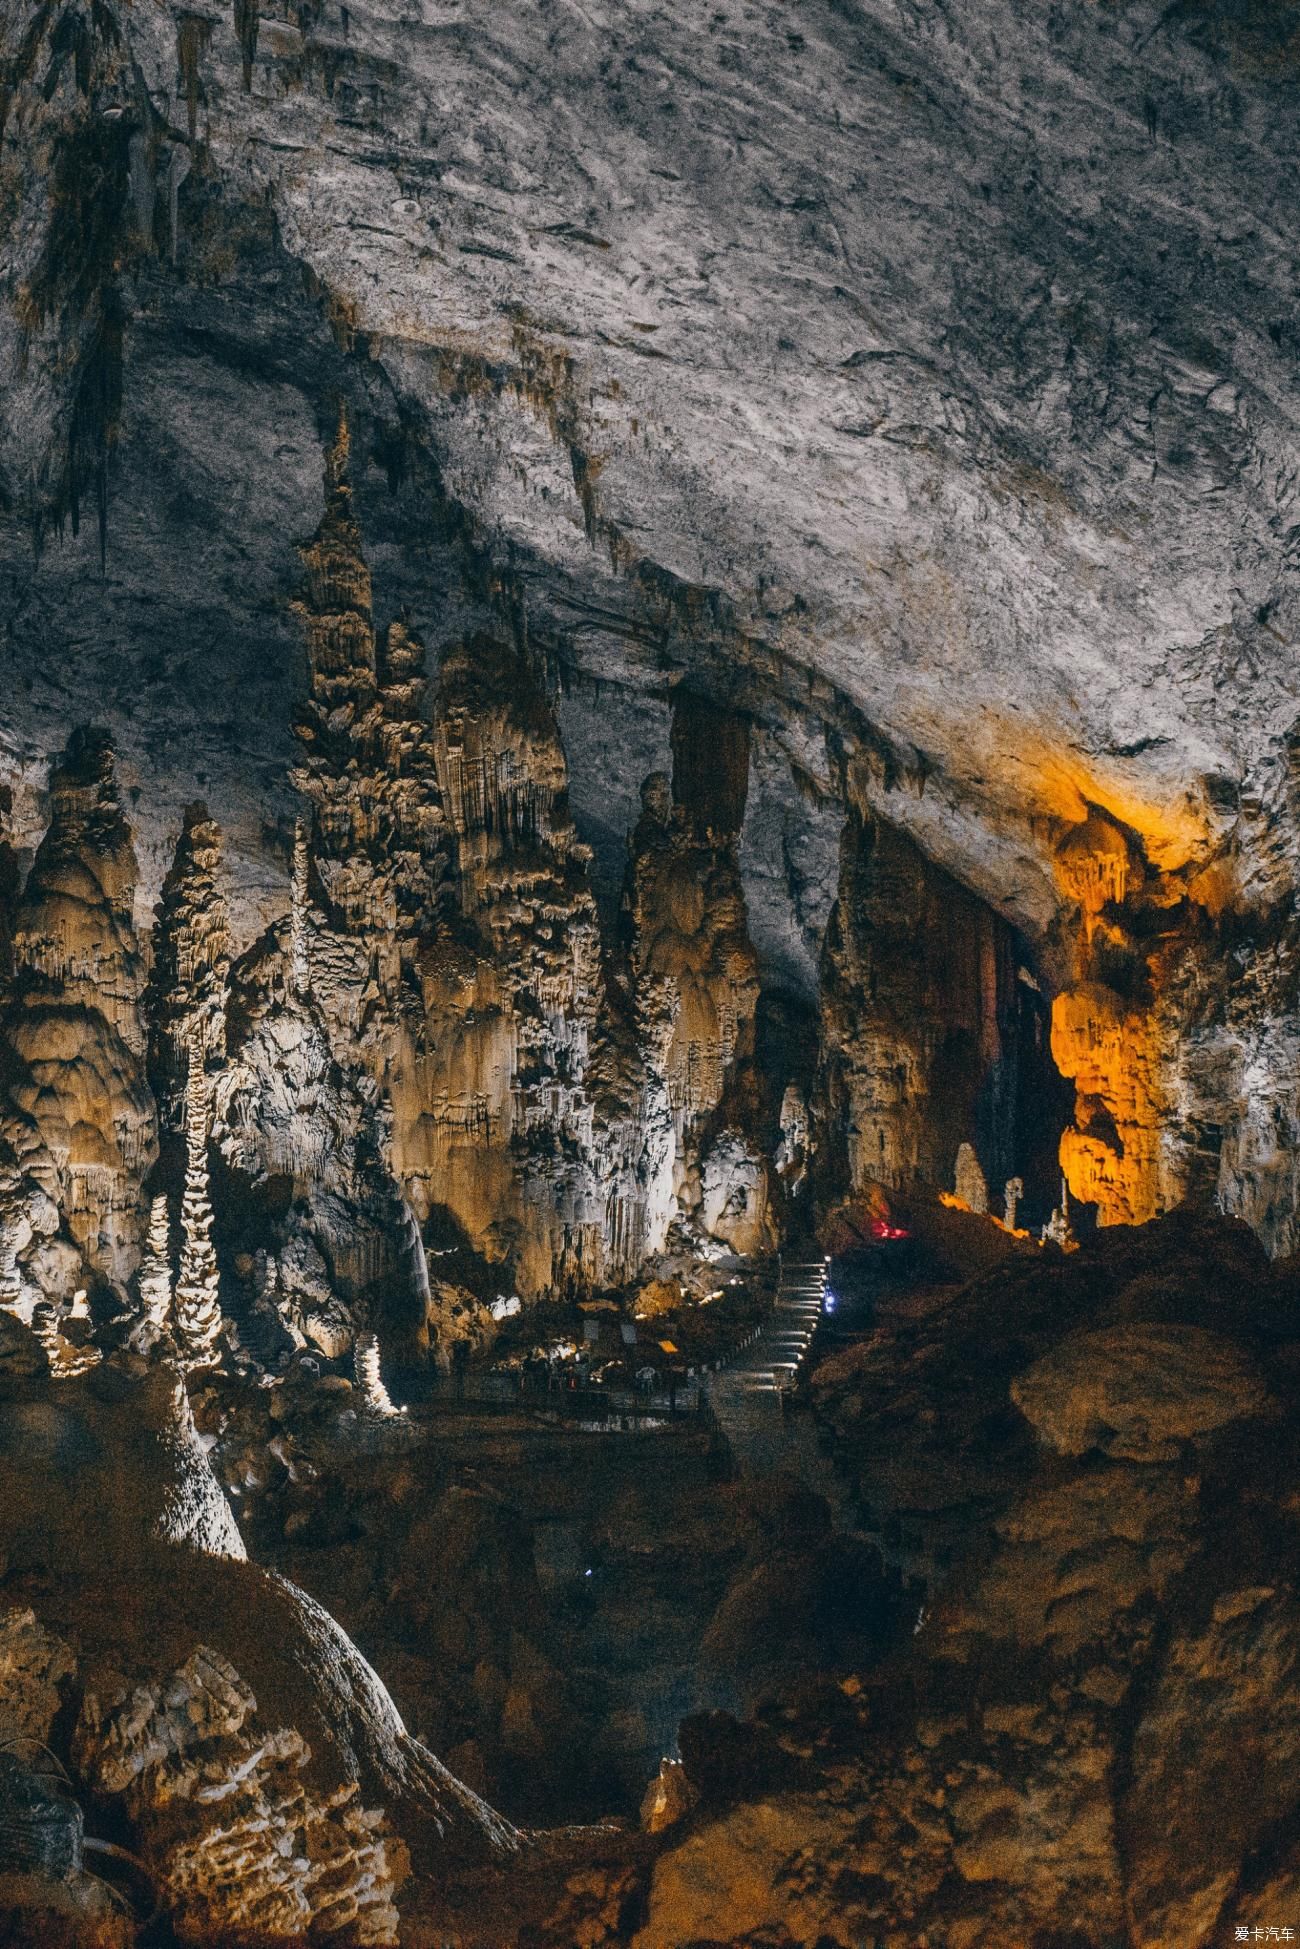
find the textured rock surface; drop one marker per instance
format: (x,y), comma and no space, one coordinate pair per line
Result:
(207,1681)
(1139,1393)
(79,1094)
(929,403)
(33,1668)
(1226,1689)
(931,1040)
(1086,1735)
(239,1846)
(885,421)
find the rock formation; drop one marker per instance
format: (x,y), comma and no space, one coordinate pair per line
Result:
(457,960)
(239,1844)
(969,1183)
(375,1397)
(198,1301)
(185,1000)
(1040,1758)
(73,1023)
(245,1747)
(1012,1192)
(693,976)
(928,1029)
(155,1281)
(873,428)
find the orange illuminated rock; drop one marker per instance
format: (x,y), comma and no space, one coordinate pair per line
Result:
(1094,867)
(1112,1157)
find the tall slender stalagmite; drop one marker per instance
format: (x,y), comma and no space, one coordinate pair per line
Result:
(198,1305)
(299,948)
(187,990)
(155,1268)
(376,1402)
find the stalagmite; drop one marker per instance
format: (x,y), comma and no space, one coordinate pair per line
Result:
(970,1184)
(1058,1229)
(1012,1192)
(198,1306)
(376,1402)
(11,1282)
(185,999)
(299,943)
(155,1268)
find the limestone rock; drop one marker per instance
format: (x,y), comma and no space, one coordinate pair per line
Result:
(1079,1562)
(1139,1392)
(728,1881)
(242,1848)
(33,1667)
(79,1913)
(970,1184)
(197,1303)
(927,1033)
(1215,1762)
(734,1196)
(668,1798)
(150,1576)
(185,1000)
(155,1279)
(73,1020)
(22,1357)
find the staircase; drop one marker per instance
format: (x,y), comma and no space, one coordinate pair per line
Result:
(746,1395)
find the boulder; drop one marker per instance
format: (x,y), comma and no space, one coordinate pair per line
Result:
(1139,1392)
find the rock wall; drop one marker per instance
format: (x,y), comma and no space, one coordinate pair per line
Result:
(863,488)
(1174,1022)
(694,976)
(931,1026)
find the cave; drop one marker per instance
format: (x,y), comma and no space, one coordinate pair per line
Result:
(649,1044)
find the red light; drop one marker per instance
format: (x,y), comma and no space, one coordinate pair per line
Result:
(881,1228)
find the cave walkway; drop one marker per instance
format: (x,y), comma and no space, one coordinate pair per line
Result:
(746,1396)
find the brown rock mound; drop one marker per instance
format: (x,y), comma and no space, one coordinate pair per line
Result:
(1139,1392)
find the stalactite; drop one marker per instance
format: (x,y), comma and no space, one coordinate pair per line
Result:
(178,168)
(246,24)
(1094,866)
(193,32)
(198,1305)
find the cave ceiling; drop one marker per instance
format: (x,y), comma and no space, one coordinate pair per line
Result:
(918,380)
